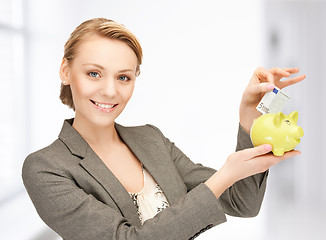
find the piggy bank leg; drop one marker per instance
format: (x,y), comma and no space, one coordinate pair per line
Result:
(278,151)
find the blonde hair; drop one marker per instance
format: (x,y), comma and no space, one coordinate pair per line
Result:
(102,27)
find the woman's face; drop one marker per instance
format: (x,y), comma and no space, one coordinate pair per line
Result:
(102,78)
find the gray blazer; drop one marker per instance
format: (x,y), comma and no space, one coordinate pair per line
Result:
(79,197)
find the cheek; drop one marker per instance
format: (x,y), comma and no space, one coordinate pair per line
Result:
(128,92)
(80,87)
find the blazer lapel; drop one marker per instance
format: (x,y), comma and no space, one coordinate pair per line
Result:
(151,152)
(95,166)
(99,171)
(155,158)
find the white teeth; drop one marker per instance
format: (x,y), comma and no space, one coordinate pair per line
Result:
(104,105)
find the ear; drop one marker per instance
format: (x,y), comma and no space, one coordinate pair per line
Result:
(279,117)
(64,72)
(294,115)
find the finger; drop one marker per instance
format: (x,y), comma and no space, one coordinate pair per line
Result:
(291,70)
(264,75)
(273,160)
(283,72)
(261,88)
(264,162)
(250,153)
(291,81)
(287,155)
(280,72)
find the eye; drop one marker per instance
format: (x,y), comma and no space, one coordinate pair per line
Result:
(288,122)
(93,74)
(123,78)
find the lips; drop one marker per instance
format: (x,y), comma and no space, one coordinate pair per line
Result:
(105,107)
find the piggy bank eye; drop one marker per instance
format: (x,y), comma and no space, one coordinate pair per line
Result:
(288,122)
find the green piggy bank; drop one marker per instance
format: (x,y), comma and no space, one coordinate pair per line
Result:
(277,129)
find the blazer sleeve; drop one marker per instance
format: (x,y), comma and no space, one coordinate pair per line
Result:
(242,199)
(74,214)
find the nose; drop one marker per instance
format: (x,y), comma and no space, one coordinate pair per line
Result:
(109,88)
(300,132)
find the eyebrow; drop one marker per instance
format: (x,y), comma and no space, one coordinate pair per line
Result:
(93,64)
(101,67)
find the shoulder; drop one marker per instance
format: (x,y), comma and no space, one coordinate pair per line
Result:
(45,159)
(49,151)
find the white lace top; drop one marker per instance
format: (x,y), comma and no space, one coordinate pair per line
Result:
(150,200)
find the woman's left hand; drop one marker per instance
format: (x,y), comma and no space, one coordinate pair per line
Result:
(263,81)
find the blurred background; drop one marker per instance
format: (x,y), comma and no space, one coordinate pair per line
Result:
(198,58)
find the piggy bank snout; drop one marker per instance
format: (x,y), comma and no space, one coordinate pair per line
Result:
(300,132)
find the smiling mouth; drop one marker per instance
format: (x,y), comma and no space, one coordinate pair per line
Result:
(104,106)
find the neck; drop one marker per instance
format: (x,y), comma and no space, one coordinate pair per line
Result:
(96,135)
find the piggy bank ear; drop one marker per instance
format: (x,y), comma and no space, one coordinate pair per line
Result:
(279,117)
(294,115)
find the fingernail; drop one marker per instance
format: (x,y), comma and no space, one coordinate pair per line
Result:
(270,86)
(268,147)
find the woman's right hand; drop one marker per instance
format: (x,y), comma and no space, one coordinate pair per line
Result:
(243,164)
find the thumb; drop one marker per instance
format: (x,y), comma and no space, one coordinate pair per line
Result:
(262,88)
(256,151)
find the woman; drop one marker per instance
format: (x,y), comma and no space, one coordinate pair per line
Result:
(101,180)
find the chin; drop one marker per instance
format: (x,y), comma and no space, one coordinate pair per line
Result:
(105,120)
